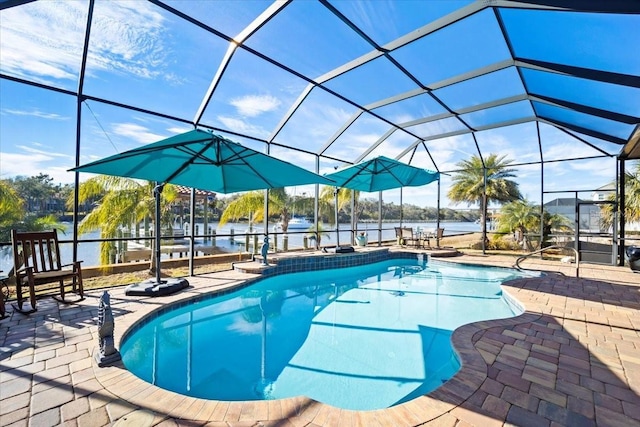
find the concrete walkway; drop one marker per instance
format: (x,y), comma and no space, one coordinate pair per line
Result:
(573,359)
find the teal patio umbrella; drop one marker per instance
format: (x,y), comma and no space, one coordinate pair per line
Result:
(381,173)
(203,160)
(378,174)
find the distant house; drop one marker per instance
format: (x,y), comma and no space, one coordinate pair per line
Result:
(604,193)
(563,206)
(181,205)
(589,214)
(184,193)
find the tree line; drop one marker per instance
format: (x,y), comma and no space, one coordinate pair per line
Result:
(110,203)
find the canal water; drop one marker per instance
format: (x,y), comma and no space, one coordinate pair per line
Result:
(231,238)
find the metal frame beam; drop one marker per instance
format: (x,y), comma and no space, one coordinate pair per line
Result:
(612,6)
(631,150)
(340,131)
(598,6)
(581,108)
(581,72)
(466,131)
(79,100)
(251,29)
(582,130)
(8,4)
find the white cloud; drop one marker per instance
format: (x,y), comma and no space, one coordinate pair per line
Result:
(128,37)
(597,168)
(254,105)
(328,114)
(368,15)
(33,113)
(47,153)
(444,150)
(125,37)
(32,45)
(178,129)
(240,126)
(405,117)
(298,158)
(559,150)
(347,146)
(33,163)
(136,132)
(315,121)
(156,122)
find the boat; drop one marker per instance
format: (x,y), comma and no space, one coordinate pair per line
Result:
(298,223)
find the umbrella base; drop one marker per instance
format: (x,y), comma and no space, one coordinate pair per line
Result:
(153,288)
(340,249)
(633,258)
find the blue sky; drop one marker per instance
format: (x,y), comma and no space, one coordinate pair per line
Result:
(143,56)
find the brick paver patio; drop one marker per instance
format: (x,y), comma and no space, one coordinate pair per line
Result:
(572,359)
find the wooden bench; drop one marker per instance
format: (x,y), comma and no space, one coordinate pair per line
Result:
(36,260)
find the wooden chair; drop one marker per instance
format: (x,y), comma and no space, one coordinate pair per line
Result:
(36,260)
(4,294)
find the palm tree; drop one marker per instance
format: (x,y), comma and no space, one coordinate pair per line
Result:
(316,233)
(523,217)
(251,204)
(518,217)
(327,205)
(555,223)
(469,183)
(279,203)
(13,214)
(11,207)
(124,203)
(632,199)
(327,202)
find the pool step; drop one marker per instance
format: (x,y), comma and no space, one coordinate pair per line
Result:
(255,266)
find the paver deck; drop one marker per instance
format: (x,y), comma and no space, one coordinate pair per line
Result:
(572,359)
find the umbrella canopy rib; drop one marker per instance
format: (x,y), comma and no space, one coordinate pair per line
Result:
(203,160)
(190,161)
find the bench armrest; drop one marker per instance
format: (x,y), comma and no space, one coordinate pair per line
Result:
(72,264)
(24,270)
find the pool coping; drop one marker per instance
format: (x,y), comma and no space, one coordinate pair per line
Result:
(473,371)
(576,362)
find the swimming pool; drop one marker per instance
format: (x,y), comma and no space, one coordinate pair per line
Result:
(361,338)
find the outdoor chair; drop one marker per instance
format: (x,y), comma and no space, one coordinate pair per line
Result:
(4,294)
(424,238)
(408,238)
(439,235)
(36,260)
(398,235)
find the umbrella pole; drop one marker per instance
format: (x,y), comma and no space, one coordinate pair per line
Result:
(157,286)
(380,218)
(192,232)
(337,226)
(157,190)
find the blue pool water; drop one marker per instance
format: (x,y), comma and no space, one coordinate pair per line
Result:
(359,338)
